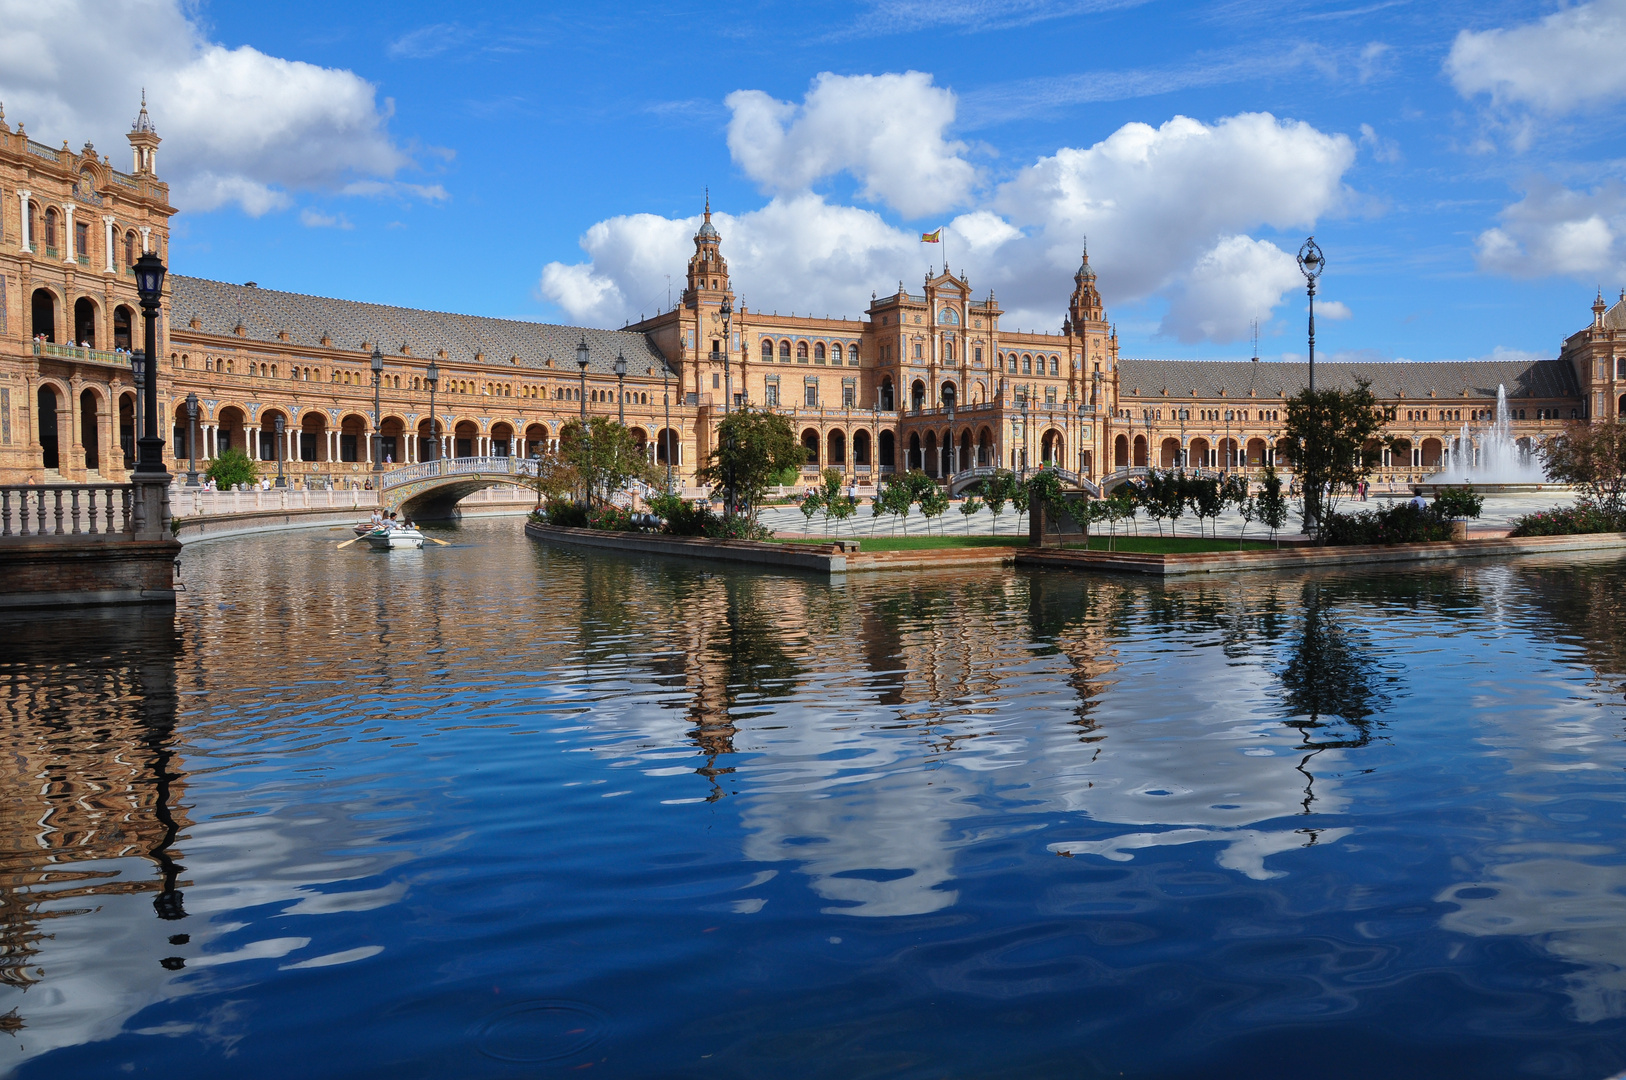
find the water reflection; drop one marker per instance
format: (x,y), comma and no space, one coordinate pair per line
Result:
(496,787)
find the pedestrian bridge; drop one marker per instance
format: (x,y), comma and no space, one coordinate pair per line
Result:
(430,490)
(969,479)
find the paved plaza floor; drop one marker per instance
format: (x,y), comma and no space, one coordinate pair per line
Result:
(1497,517)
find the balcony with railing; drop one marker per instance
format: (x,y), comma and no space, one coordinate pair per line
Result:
(82,354)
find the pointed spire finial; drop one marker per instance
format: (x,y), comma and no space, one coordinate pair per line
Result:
(708,202)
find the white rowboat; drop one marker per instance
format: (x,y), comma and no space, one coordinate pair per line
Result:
(389,539)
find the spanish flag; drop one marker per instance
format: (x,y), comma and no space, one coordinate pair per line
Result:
(932,237)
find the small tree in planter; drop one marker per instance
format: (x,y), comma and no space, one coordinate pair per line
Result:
(1458,505)
(934,502)
(968,507)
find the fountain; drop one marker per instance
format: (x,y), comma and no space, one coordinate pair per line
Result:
(1489,458)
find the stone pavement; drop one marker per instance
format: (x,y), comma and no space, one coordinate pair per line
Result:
(1497,516)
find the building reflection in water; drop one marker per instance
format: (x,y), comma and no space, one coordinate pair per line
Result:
(93,782)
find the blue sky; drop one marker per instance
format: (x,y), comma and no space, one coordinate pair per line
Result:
(1460,164)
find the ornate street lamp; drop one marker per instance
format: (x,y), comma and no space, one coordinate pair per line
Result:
(727,312)
(378,438)
(1311,264)
(432,376)
(149,275)
(666,435)
(138,371)
(620,384)
(1230,451)
(581,362)
(280,427)
(191,439)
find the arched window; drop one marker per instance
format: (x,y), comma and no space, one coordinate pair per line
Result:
(130,248)
(801,352)
(1027,365)
(1055,365)
(818,352)
(50,230)
(767,351)
(948,350)
(835,353)
(1012,362)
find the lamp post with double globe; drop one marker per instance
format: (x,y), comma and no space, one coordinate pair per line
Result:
(191,440)
(620,391)
(432,376)
(281,428)
(378,435)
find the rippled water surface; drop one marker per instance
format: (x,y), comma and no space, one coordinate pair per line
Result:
(501,810)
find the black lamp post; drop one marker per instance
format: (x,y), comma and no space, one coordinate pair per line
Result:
(138,371)
(1183,415)
(378,436)
(149,275)
(620,384)
(666,435)
(281,428)
(1311,264)
(191,440)
(727,312)
(581,362)
(1230,450)
(432,376)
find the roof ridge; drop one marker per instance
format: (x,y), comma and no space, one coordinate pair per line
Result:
(260,291)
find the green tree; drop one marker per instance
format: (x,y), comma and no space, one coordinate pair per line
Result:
(1044,491)
(812,503)
(934,502)
(603,454)
(996,491)
(230,468)
(1591,454)
(968,508)
(1271,503)
(1019,501)
(1330,435)
(1207,499)
(753,449)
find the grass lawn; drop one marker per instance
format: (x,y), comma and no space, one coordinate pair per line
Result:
(925,543)
(1171,545)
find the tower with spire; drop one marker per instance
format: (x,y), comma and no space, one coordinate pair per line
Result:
(708,270)
(144,142)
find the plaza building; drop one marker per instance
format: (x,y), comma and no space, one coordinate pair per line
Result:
(929,380)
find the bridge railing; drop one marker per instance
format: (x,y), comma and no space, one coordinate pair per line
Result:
(66,511)
(461,466)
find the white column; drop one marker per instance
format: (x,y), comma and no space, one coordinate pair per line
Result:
(107,224)
(146,239)
(369,447)
(26,233)
(67,236)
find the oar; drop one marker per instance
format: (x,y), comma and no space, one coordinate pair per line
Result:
(442,543)
(347,543)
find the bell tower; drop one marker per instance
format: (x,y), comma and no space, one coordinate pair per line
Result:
(1085,305)
(144,142)
(708,271)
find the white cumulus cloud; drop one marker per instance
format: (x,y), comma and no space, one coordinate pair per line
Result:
(886,131)
(1240,279)
(1564,61)
(238,126)
(1167,211)
(1554,230)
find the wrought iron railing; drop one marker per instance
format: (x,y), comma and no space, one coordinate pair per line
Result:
(80,352)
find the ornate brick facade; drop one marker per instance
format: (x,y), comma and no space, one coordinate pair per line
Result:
(928,380)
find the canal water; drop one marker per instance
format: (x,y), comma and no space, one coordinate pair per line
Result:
(503,810)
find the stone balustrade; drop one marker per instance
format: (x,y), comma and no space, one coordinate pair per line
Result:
(66,511)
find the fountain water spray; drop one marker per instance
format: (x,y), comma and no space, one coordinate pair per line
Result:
(1497,459)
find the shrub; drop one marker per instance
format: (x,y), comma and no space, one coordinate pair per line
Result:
(1463,502)
(1583,517)
(679,517)
(230,468)
(564,512)
(611,518)
(1402,523)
